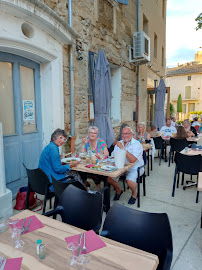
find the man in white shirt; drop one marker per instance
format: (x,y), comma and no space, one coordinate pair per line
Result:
(168,130)
(134,152)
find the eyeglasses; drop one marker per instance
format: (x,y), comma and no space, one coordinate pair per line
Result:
(92,132)
(63,138)
(123,134)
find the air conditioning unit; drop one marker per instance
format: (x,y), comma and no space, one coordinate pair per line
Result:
(140,52)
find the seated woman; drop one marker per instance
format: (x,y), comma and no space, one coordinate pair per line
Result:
(191,131)
(96,146)
(141,135)
(50,161)
(153,133)
(181,133)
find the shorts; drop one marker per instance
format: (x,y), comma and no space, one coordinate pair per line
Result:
(131,175)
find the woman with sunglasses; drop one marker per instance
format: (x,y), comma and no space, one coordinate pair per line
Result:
(50,161)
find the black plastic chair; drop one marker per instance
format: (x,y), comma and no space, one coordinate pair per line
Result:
(38,182)
(80,208)
(150,232)
(187,165)
(176,145)
(159,145)
(59,186)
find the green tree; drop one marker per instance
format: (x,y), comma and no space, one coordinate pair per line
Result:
(179,103)
(199,22)
(172,109)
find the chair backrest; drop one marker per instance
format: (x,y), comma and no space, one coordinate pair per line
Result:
(150,232)
(158,141)
(188,164)
(144,155)
(81,209)
(178,144)
(197,128)
(38,181)
(59,187)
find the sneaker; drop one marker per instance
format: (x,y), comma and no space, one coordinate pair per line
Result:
(132,200)
(117,196)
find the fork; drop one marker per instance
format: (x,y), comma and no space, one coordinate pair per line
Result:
(23,225)
(84,249)
(27,228)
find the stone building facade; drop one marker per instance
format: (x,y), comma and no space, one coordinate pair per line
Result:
(36,34)
(108,25)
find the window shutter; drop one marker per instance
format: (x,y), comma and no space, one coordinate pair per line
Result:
(125,2)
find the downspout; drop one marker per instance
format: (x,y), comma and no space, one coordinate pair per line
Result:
(71,82)
(137,73)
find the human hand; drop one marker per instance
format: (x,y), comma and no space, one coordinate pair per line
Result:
(84,141)
(120,145)
(73,163)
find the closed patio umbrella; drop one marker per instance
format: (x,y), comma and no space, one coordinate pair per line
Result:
(159,117)
(102,96)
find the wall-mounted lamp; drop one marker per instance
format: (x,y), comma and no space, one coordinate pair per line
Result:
(78,49)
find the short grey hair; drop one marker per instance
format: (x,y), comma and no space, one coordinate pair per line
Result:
(141,124)
(128,128)
(93,128)
(58,132)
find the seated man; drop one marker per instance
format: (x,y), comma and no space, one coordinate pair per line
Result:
(168,130)
(134,152)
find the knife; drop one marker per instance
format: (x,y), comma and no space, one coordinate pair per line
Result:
(79,248)
(23,225)
(3,265)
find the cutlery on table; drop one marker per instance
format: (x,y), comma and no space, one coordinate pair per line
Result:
(3,265)
(27,228)
(79,248)
(84,249)
(23,225)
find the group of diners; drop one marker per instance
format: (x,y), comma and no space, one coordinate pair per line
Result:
(50,161)
(180,132)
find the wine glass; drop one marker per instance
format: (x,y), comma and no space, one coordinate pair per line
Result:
(82,260)
(73,258)
(102,156)
(13,222)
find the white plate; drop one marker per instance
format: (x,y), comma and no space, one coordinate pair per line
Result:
(108,168)
(70,159)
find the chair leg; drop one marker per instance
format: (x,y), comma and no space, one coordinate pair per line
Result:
(182,183)
(151,163)
(174,182)
(138,191)
(144,185)
(50,203)
(160,157)
(169,158)
(197,195)
(178,178)
(124,184)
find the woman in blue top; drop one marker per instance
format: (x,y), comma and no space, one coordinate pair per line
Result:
(50,161)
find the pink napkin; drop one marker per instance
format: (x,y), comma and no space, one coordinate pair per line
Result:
(13,264)
(34,225)
(92,242)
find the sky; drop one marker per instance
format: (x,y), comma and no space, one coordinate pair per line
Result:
(182,40)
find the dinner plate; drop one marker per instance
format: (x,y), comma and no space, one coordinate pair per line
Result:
(70,159)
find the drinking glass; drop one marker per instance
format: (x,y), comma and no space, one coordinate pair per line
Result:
(82,260)
(16,236)
(102,156)
(13,223)
(73,258)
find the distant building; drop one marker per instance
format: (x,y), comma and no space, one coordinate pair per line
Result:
(186,80)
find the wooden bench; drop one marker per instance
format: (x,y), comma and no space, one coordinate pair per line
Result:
(199,188)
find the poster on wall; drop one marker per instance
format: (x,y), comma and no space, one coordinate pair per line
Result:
(28,112)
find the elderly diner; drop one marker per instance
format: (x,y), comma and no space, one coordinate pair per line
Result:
(134,154)
(141,135)
(50,162)
(191,131)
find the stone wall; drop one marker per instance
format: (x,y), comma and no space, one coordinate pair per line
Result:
(112,33)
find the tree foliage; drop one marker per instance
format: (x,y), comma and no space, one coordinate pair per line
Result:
(179,103)
(199,22)
(172,109)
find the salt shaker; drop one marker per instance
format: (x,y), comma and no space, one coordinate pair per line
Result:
(42,251)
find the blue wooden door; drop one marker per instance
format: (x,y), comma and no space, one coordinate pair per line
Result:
(20,114)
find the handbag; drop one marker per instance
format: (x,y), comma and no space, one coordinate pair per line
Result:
(21,199)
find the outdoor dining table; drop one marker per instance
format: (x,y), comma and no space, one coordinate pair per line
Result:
(82,168)
(113,256)
(191,152)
